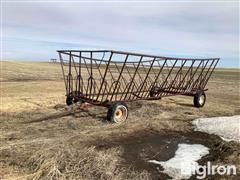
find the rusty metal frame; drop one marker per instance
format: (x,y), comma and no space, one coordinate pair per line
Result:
(104,80)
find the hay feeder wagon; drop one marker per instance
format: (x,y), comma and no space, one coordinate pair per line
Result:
(111,78)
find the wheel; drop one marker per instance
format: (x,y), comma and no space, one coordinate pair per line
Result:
(118,112)
(199,99)
(75,100)
(154,91)
(69,100)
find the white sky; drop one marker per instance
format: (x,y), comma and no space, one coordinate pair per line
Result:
(35,30)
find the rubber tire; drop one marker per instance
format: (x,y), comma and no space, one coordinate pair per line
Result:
(153,92)
(112,110)
(75,100)
(196,99)
(69,101)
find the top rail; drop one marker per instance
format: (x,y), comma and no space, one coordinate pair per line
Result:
(131,53)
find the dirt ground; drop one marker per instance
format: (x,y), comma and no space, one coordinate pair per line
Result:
(39,140)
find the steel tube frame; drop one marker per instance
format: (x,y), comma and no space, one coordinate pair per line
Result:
(123,80)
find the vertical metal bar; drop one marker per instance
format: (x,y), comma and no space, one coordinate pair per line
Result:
(79,72)
(182,81)
(98,68)
(120,75)
(101,76)
(75,77)
(139,76)
(147,75)
(192,77)
(153,84)
(150,80)
(146,72)
(90,79)
(203,68)
(159,72)
(167,75)
(147,87)
(64,78)
(205,83)
(151,70)
(101,60)
(126,82)
(91,63)
(89,72)
(176,76)
(133,77)
(73,63)
(119,72)
(207,71)
(69,72)
(104,90)
(91,75)
(104,76)
(193,86)
(83,86)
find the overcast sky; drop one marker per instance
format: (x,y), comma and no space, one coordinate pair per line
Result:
(35,30)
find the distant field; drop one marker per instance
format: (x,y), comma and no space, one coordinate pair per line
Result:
(42,138)
(19,70)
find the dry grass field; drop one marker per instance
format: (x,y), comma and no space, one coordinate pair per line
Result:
(83,145)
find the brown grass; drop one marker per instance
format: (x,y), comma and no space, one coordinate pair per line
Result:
(66,145)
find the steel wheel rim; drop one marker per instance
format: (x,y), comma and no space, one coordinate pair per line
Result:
(120,114)
(201,99)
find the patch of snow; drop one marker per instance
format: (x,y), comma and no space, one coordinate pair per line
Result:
(228,128)
(184,163)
